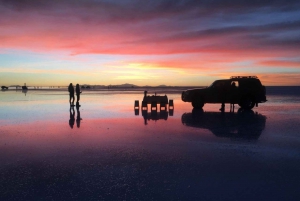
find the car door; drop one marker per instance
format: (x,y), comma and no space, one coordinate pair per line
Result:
(218,92)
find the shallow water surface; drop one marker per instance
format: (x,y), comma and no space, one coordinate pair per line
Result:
(105,150)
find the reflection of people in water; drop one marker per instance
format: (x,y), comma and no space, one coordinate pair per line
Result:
(71,91)
(78,118)
(78,92)
(72,117)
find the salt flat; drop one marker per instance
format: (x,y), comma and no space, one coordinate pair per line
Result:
(116,153)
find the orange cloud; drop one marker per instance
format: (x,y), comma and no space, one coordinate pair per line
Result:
(278,63)
(279,79)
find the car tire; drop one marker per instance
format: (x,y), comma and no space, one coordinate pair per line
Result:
(247,103)
(197,103)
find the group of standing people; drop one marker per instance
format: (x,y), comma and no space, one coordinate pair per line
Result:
(72,98)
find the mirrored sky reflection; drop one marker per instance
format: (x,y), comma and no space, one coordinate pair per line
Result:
(114,155)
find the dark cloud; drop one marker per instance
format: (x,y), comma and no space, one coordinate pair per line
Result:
(293,43)
(142,10)
(21,5)
(254,32)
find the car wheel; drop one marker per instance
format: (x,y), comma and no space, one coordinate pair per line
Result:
(247,103)
(197,103)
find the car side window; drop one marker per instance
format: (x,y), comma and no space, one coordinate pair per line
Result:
(234,84)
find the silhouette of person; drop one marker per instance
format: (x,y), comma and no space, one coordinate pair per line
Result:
(72,117)
(71,91)
(222,95)
(78,92)
(232,91)
(78,118)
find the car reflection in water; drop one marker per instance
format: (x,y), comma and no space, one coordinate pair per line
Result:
(245,124)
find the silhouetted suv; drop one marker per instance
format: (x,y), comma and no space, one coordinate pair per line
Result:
(246,91)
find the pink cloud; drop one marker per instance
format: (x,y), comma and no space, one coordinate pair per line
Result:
(106,28)
(191,28)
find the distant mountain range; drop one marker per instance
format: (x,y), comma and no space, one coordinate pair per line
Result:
(126,85)
(15,86)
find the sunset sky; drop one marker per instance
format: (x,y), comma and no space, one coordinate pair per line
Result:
(171,42)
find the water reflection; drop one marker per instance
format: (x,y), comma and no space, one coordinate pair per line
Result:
(154,115)
(78,118)
(72,117)
(243,124)
(24,91)
(136,111)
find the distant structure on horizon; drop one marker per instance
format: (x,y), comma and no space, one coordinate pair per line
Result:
(24,87)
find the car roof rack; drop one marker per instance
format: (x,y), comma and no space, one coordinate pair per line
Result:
(242,77)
